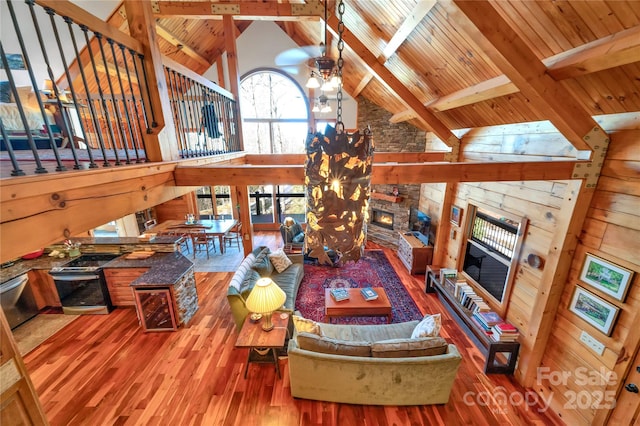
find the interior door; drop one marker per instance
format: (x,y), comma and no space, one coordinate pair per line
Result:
(19,402)
(627,410)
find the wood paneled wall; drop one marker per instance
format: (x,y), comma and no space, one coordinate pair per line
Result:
(177,208)
(612,231)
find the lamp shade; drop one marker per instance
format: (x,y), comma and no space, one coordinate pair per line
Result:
(265,297)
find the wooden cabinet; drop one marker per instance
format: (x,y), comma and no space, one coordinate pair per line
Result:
(155,309)
(119,284)
(44,289)
(414,253)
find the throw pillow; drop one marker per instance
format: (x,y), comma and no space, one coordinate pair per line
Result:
(327,345)
(304,325)
(263,265)
(280,260)
(248,282)
(403,348)
(428,327)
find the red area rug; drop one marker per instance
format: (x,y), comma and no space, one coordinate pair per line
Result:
(372,270)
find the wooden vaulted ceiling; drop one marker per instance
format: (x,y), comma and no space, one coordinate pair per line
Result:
(430,62)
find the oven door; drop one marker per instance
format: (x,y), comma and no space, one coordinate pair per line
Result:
(82,293)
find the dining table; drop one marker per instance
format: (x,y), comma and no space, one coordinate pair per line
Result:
(212,227)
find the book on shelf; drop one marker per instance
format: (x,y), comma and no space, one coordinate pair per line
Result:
(505,332)
(489,319)
(448,273)
(368,293)
(487,330)
(339,294)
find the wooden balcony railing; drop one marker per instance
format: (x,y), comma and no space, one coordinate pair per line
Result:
(79,96)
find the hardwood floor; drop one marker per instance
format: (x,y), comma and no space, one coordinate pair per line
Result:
(102,369)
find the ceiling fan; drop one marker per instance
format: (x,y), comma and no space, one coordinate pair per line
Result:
(325,75)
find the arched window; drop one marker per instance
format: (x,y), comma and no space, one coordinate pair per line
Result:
(275,113)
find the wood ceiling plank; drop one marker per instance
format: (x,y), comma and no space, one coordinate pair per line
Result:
(417,15)
(376,68)
(511,54)
(182,45)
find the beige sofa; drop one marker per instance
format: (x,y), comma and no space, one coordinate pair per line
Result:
(385,377)
(254,266)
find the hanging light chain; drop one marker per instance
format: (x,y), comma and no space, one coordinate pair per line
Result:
(340,64)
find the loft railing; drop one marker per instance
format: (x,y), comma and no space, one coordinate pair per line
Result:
(93,113)
(205,115)
(77,95)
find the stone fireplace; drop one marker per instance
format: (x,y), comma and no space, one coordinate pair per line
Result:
(389,215)
(382,218)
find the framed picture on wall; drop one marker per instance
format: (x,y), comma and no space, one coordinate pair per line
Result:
(456,215)
(15,61)
(597,312)
(611,279)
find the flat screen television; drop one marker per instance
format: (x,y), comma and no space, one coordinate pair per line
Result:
(423,222)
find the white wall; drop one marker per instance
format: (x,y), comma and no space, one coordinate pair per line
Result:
(258,47)
(100,8)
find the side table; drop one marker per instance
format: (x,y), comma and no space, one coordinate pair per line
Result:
(263,345)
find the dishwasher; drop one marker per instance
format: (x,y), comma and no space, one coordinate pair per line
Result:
(18,303)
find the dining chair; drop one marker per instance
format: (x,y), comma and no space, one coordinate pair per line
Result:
(183,242)
(234,234)
(202,241)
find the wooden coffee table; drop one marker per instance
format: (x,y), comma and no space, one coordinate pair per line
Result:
(356,306)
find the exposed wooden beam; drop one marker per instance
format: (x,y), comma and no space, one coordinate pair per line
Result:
(363,83)
(415,17)
(378,158)
(489,89)
(370,61)
(608,52)
(230,31)
(249,11)
(161,144)
(385,173)
(515,58)
(184,48)
(403,116)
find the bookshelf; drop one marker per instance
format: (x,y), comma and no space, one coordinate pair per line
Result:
(500,356)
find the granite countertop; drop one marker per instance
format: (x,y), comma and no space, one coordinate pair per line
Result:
(164,268)
(120,244)
(23,266)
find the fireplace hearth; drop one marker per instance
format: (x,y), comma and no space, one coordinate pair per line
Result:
(382,219)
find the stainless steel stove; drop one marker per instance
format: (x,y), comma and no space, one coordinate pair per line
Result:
(81,285)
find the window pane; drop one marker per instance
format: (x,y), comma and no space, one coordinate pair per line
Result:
(257,138)
(289,138)
(205,207)
(268,94)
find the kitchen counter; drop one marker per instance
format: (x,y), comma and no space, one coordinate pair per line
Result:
(114,245)
(167,276)
(164,268)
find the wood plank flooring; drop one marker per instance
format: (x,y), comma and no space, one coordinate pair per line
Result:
(103,370)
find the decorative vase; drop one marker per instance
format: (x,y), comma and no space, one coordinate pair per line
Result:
(74,252)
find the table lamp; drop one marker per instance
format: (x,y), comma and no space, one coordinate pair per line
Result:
(265,298)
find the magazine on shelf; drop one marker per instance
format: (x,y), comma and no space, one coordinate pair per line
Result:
(368,293)
(339,294)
